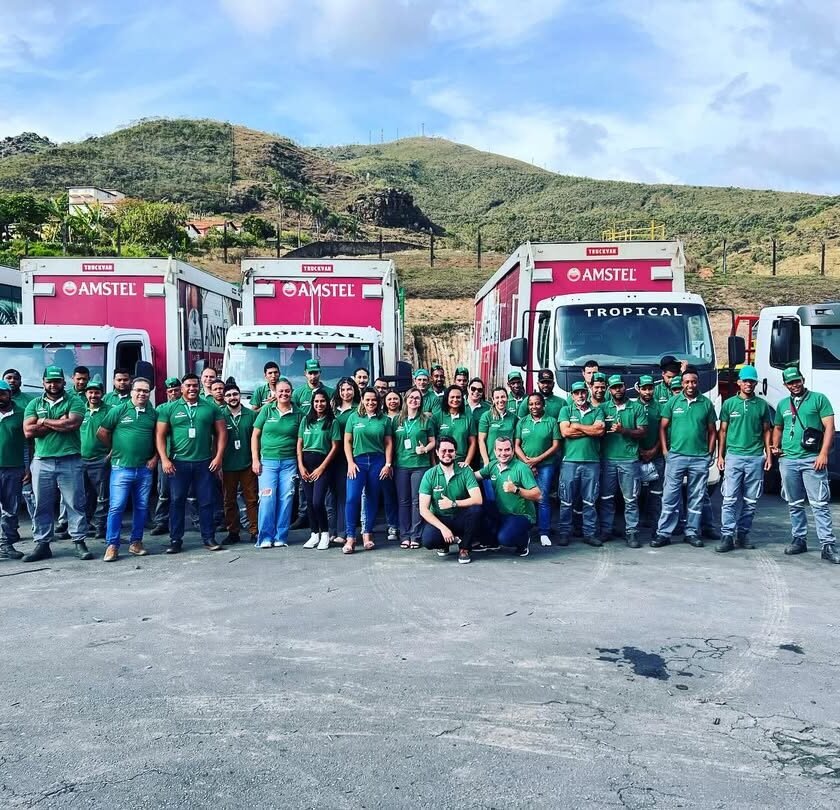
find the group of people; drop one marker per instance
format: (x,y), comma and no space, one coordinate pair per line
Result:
(453,465)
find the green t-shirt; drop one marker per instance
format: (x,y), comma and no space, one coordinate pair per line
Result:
(457,488)
(368,432)
(651,437)
(318,440)
(811,410)
(537,435)
(92,448)
(431,402)
(460,428)
(54,444)
(510,503)
(622,446)
(582,448)
(12,440)
(239,428)
(132,435)
(494,428)
(302,397)
(687,431)
(192,429)
(113,398)
(415,432)
(553,406)
(279,433)
(745,420)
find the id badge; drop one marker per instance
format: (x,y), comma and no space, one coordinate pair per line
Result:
(237,444)
(191,433)
(407,444)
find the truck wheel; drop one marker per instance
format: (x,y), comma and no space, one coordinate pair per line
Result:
(773,480)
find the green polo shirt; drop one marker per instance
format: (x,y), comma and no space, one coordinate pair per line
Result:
(132,435)
(477,412)
(113,398)
(92,448)
(368,432)
(408,435)
(745,420)
(22,398)
(54,444)
(513,404)
(302,397)
(459,427)
(431,402)
(661,393)
(12,440)
(537,435)
(811,410)
(457,488)
(317,438)
(239,429)
(260,395)
(687,432)
(278,433)
(493,428)
(510,503)
(621,446)
(201,417)
(553,406)
(582,448)
(651,437)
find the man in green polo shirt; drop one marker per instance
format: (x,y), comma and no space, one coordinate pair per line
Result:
(265,392)
(13,378)
(545,385)
(53,421)
(461,378)
(129,430)
(122,388)
(669,367)
(687,435)
(516,391)
(581,426)
(438,380)
(160,520)
(12,471)
(431,403)
(625,424)
(199,438)
(450,503)
(803,434)
(743,457)
(95,458)
(650,452)
(237,474)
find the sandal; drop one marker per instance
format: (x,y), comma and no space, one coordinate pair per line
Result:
(349,547)
(414,544)
(405,543)
(368,545)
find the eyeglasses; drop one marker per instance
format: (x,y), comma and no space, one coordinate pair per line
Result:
(476,390)
(145,391)
(443,451)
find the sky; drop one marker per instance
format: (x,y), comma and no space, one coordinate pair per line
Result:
(711,92)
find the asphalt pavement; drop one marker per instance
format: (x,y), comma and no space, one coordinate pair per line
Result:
(576,677)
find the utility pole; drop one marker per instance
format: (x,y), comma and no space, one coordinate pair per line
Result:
(431,248)
(479,247)
(822,259)
(380,243)
(724,257)
(423,130)
(119,240)
(278,238)
(224,242)
(774,257)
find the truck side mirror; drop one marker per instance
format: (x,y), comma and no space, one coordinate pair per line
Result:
(145,369)
(519,352)
(736,349)
(403,375)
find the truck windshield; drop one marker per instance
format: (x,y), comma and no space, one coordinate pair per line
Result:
(632,335)
(247,360)
(825,346)
(30,359)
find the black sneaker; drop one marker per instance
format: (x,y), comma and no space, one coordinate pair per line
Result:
(633,540)
(42,551)
(797,546)
(727,543)
(232,537)
(159,529)
(694,540)
(9,552)
(173,548)
(710,533)
(743,541)
(830,553)
(592,541)
(524,552)
(464,556)
(82,551)
(659,541)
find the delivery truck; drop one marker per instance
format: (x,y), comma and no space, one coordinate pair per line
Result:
(346,313)
(159,317)
(623,304)
(9,295)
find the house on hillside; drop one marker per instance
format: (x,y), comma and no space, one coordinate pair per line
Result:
(83,198)
(199,228)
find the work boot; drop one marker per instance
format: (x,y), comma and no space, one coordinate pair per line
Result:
(61,532)
(42,551)
(743,541)
(159,529)
(562,540)
(726,544)
(660,540)
(830,553)
(593,541)
(136,548)
(301,523)
(232,537)
(173,548)
(82,551)
(9,552)
(633,540)
(212,545)
(797,546)
(112,552)
(693,540)
(710,533)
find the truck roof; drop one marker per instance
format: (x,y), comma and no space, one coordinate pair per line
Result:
(10,276)
(300,333)
(58,333)
(824,314)
(314,268)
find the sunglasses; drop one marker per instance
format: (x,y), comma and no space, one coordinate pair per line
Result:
(476,390)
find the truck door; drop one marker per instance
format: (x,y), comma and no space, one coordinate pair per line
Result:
(784,350)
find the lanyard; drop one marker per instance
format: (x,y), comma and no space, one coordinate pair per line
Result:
(234,420)
(190,409)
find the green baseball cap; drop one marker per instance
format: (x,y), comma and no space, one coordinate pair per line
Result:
(312,365)
(599,376)
(421,372)
(580,385)
(748,373)
(462,370)
(53,373)
(645,379)
(791,374)
(514,375)
(95,382)
(615,379)
(436,367)
(4,386)
(676,381)
(171,382)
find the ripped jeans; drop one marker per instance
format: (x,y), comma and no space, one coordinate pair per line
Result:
(801,480)
(579,479)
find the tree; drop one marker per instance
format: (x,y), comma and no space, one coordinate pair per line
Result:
(23,213)
(154,225)
(261,228)
(318,211)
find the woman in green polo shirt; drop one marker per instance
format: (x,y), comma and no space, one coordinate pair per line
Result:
(274,453)
(414,439)
(393,402)
(495,422)
(317,446)
(368,446)
(345,401)
(475,403)
(456,423)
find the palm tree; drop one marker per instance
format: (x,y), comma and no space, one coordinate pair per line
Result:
(318,211)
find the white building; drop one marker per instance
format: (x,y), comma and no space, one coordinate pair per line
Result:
(80,198)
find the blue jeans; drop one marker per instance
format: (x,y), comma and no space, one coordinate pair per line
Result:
(743,483)
(193,475)
(367,480)
(390,501)
(579,479)
(511,531)
(128,481)
(11,494)
(800,481)
(696,470)
(407,482)
(615,476)
(51,476)
(277,493)
(545,477)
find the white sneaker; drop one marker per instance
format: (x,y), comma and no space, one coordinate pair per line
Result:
(313,540)
(545,540)
(324,542)
(265,544)
(279,544)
